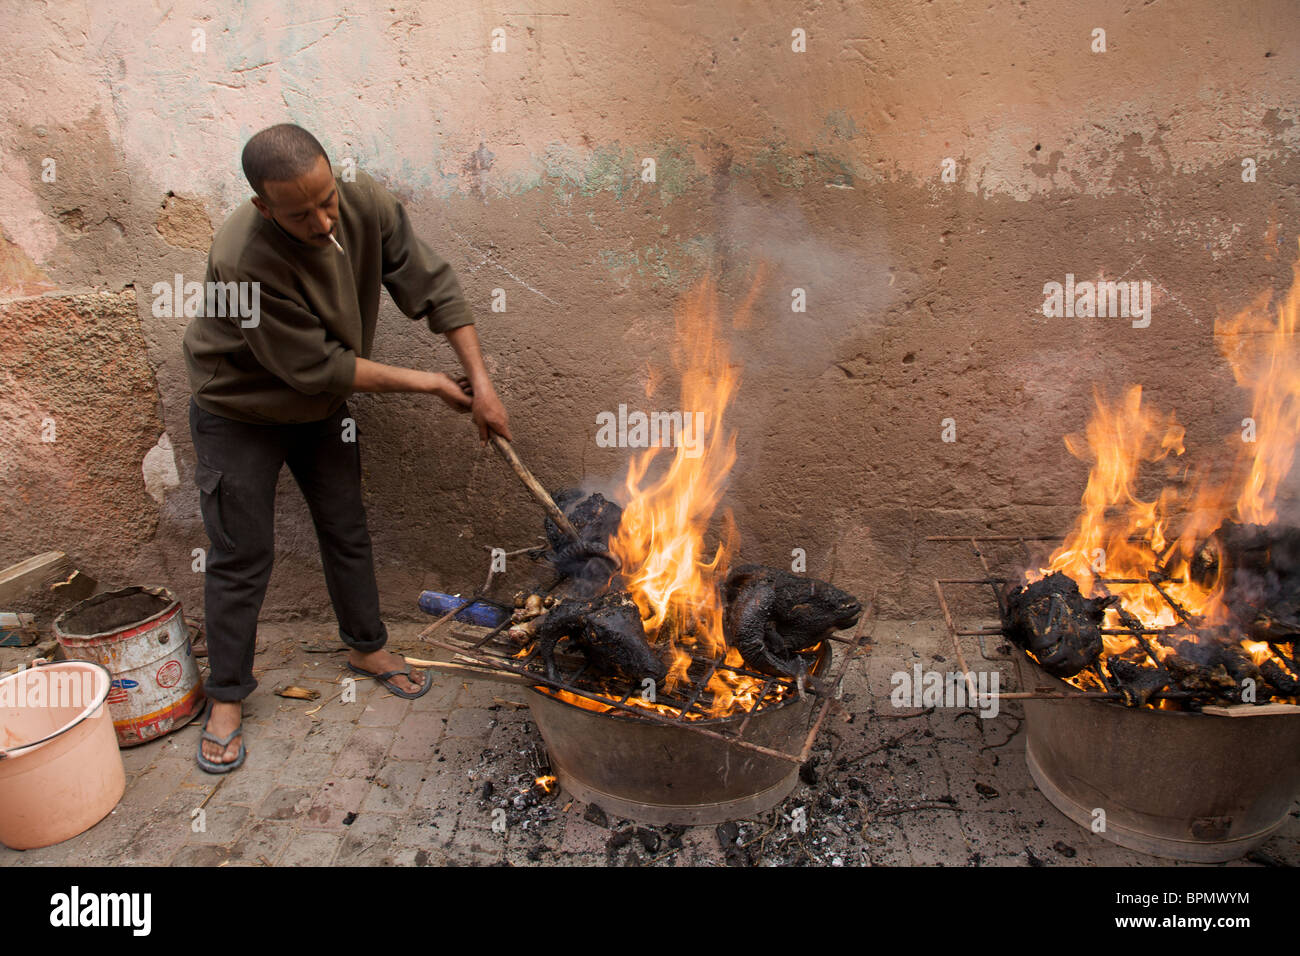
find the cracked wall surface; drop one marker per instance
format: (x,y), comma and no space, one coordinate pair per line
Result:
(524,168)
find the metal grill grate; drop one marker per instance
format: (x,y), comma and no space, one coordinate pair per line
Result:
(687,706)
(1188,626)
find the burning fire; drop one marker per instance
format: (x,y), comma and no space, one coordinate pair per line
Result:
(676,580)
(1128,545)
(672,574)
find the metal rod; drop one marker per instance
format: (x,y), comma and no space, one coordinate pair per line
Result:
(702,683)
(967,675)
(997,591)
(806,749)
(443,620)
(995,537)
(762,695)
(1178,608)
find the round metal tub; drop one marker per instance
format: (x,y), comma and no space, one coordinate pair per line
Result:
(661,774)
(1188,786)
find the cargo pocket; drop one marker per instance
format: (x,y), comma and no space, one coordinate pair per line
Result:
(209,482)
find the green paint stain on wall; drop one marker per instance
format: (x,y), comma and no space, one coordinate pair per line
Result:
(841,124)
(615,169)
(675,173)
(677,264)
(798,170)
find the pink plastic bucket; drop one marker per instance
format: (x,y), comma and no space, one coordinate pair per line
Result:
(60,768)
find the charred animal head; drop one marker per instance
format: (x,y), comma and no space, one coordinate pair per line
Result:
(1058,625)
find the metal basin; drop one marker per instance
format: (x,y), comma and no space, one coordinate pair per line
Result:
(662,774)
(1187,786)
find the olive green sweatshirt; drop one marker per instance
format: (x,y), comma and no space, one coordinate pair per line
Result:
(292,358)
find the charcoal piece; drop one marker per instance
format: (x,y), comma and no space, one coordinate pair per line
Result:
(608,631)
(771,615)
(727,833)
(650,839)
(1137,682)
(733,853)
(1058,625)
(1279,681)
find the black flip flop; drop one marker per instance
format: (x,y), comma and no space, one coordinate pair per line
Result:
(383,679)
(208,765)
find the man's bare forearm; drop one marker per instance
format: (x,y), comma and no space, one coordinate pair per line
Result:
(489,414)
(377,377)
(464,340)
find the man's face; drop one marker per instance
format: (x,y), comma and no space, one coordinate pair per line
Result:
(307,207)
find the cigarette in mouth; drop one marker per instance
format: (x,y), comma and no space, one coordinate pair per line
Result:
(336,242)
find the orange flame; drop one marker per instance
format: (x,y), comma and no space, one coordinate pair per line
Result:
(1120,537)
(1263,355)
(675,577)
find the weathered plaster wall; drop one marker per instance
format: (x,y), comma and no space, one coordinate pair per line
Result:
(523,167)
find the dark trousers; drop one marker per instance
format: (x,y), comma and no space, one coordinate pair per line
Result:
(238,467)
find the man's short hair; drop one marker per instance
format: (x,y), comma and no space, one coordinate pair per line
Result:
(280,153)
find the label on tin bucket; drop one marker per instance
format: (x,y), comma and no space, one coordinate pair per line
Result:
(169,675)
(120,688)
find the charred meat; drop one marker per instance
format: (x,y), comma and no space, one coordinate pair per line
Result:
(772,615)
(1058,625)
(596,520)
(609,632)
(1259,569)
(1136,680)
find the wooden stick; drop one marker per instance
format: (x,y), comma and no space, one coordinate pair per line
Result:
(465,670)
(535,487)
(443,620)
(1249,710)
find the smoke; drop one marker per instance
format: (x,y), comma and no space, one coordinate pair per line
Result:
(845,285)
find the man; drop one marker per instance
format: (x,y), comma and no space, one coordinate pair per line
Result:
(270,388)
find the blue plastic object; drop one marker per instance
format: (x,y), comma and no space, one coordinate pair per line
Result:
(482,613)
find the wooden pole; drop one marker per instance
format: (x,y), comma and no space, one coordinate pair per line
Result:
(535,487)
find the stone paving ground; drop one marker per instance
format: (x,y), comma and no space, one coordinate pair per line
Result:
(385,781)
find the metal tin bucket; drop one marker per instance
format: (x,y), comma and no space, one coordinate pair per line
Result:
(139,635)
(60,768)
(667,774)
(1188,786)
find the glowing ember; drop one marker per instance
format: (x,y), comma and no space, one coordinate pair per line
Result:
(1126,545)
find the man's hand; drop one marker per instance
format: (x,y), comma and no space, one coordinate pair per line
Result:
(455,393)
(489,414)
